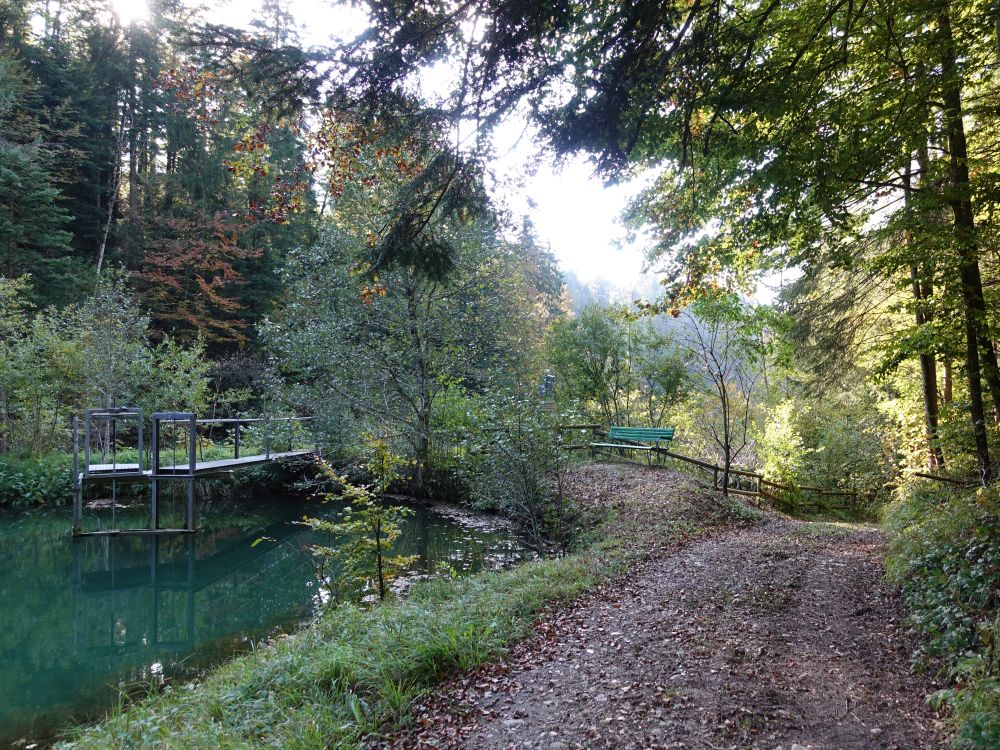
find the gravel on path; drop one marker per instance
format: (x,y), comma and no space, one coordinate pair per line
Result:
(777,636)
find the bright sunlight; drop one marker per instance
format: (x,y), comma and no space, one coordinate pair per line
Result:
(130,11)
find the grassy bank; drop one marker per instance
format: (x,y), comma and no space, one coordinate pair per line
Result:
(355,670)
(350,671)
(945,557)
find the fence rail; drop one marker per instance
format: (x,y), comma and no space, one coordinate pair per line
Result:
(949,480)
(786,497)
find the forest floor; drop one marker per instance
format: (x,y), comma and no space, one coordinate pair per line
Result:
(780,634)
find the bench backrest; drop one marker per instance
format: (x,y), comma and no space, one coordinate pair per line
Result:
(655,434)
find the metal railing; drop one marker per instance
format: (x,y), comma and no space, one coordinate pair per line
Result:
(238,424)
(183,442)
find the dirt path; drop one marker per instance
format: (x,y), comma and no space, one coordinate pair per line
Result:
(775,636)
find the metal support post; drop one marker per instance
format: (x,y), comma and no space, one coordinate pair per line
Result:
(154,504)
(77,489)
(189,515)
(192,465)
(192,446)
(154,490)
(155,445)
(86,441)
(140,428)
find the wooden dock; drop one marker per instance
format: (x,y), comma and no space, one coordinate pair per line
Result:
(201,468)
(187,423)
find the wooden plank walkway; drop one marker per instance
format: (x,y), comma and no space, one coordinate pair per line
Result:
(201,467)
(157,473)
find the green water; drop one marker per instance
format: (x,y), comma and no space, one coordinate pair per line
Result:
(82,620)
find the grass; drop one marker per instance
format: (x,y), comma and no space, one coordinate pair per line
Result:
(355,671)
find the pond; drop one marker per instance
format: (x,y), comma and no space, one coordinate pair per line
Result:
(85,619)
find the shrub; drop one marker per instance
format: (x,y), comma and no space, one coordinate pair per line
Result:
(945,557)
(515,467)
(781,447)
(35,481)
(366,531)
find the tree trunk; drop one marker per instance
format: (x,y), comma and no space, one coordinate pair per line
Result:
(424,397)
(7,422)
(928,378)
(727,440)
(116,179)
(922,291)
(133,150)
(378,559)
(960,199)
(424,447)
(991,368)
(946,396)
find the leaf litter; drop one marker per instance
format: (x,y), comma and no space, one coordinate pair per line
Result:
(766,636)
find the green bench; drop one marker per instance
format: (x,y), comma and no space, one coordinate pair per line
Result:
(636,438)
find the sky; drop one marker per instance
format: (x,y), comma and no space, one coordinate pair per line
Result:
(574,213)
(572,210)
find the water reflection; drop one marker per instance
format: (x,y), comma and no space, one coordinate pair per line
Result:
(81,619)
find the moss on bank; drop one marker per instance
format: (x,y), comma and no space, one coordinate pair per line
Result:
(355,670)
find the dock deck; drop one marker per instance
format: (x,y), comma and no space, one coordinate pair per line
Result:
(105,423)
(201,468)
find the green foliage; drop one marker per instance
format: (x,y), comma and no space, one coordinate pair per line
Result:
(57,362)
(945,556)
(850,444)
(35,481)
(781,446)
(379,354)
(514,466)
(622,369)
(833,440)
(33,236)
(360,561)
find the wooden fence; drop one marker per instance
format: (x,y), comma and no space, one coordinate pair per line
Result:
(787,498)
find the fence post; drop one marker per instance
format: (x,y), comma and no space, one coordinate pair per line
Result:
(236,453)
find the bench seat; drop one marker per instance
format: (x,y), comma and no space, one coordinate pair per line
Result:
(633,439)
(620,445)
(642,434)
